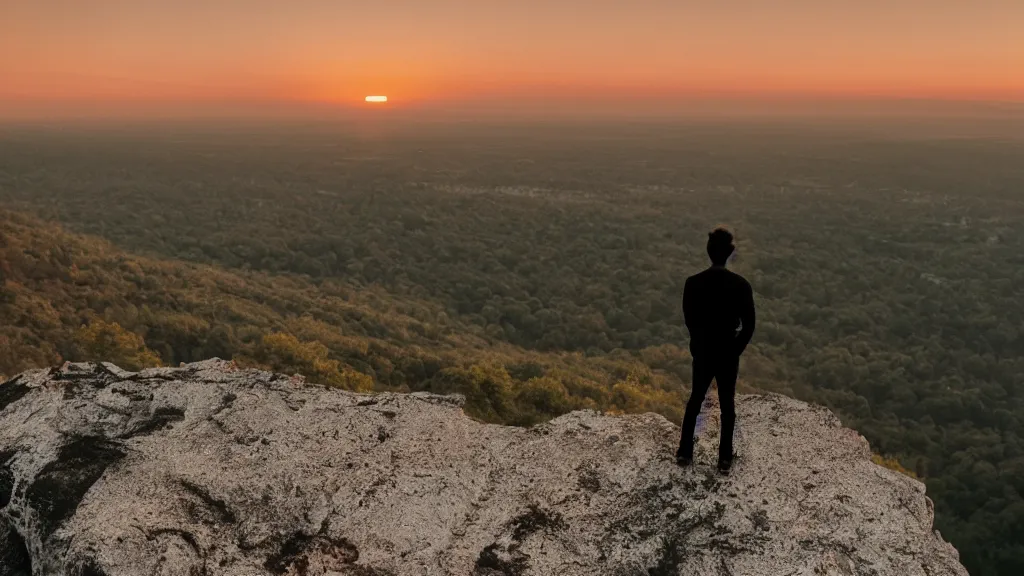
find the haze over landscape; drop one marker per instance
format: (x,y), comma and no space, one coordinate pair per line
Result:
(504,199)
(115,57)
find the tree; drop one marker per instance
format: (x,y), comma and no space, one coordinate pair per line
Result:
(108,342)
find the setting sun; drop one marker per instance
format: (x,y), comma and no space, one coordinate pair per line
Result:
(377,99)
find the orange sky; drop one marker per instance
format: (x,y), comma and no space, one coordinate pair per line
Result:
(421,51)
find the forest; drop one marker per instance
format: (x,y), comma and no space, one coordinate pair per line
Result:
(539,269)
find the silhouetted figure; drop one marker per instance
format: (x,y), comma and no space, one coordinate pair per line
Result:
(718,306)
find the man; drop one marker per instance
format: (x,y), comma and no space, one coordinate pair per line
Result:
(718,306)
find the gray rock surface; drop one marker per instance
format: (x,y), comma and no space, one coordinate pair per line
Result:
(208,469)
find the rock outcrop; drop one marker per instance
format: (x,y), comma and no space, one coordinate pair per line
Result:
(211,470)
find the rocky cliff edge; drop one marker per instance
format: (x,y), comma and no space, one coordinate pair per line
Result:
(211,470)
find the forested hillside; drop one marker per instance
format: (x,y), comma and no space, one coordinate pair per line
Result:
(547,266)
(66,297)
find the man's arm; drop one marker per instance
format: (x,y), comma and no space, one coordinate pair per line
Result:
(692,316)
(689,314)
(747,318)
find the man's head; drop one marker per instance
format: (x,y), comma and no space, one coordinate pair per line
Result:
(720,246)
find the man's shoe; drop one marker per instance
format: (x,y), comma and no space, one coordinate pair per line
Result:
(684,461)
(724,467)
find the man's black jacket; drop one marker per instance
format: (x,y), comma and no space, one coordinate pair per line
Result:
(718,306)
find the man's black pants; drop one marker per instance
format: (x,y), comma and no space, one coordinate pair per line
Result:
(724,371)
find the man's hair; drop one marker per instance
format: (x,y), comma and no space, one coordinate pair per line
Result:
(720,246)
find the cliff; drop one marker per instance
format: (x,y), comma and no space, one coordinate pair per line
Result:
(209,470)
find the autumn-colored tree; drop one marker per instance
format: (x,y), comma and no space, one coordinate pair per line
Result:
(108,342)
(286,353)
(893,464)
